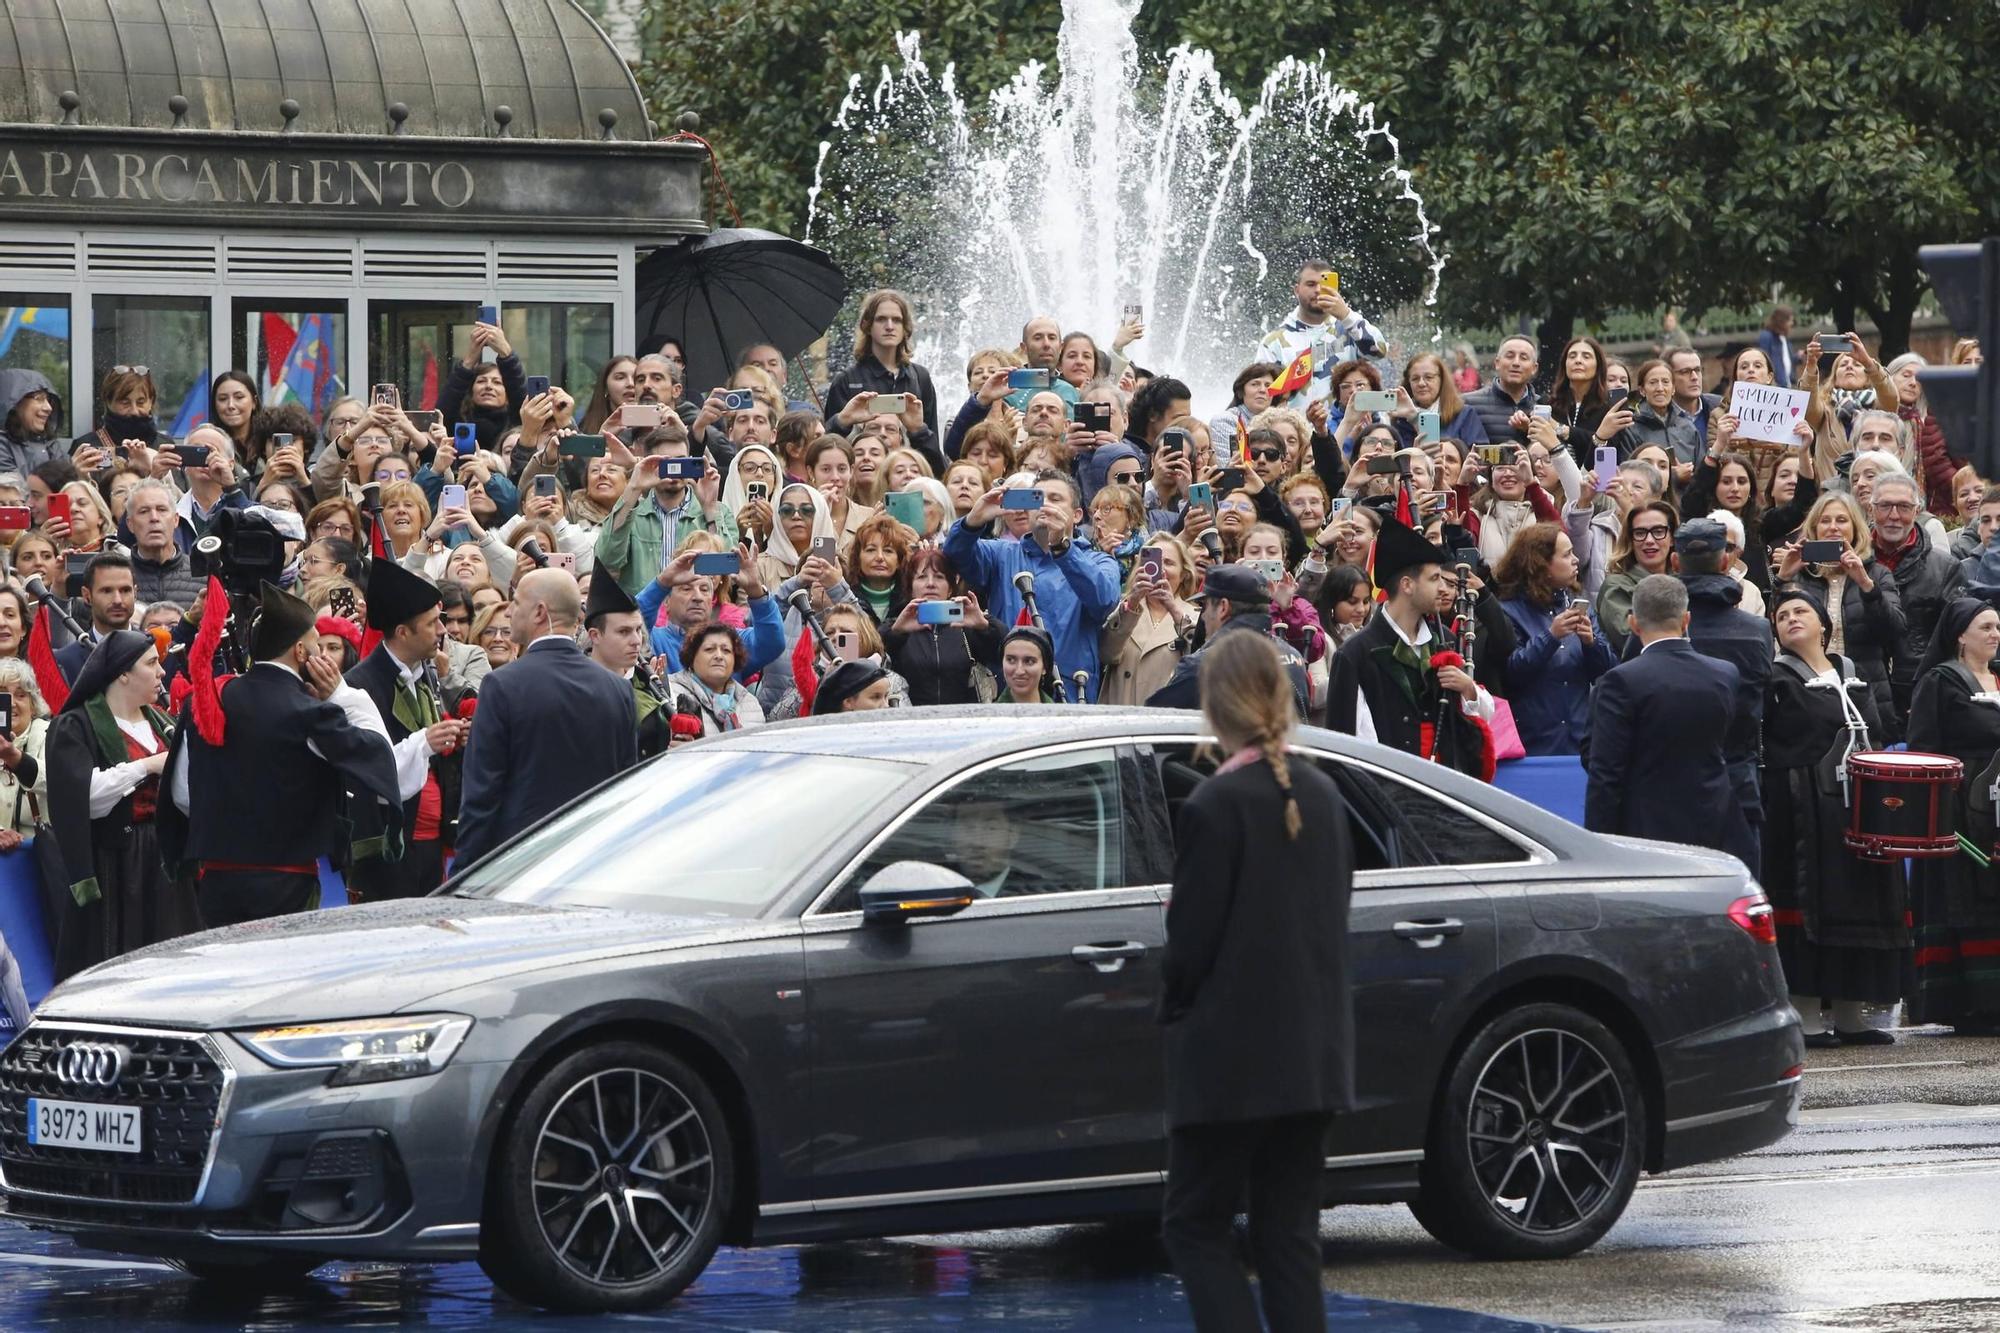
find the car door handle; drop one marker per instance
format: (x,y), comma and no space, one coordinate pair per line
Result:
(1107,957)
(1429,934)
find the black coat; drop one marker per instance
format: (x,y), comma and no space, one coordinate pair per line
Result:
(380,677)
(1183,688)
(1927,579)
(1718,629)
(550,726)
(936,660)
(870,376)
(1872,626)
(1655,751)
(1257,1007)
(1400,701)
(1496,410)
(263,797)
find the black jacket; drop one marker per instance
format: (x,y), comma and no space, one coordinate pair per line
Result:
(1718,629)
(1183,688)
(455,402)
(1655,754)
(936,660)
(1257,1005)
(870,376)
(1495,408)
(263,797)
(1872,626)
(550,726)
(1927,578)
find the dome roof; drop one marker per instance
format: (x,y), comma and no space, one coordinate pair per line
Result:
(544,66)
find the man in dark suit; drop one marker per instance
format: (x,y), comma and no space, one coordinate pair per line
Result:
(1655,758)
(550,726)
(112,596)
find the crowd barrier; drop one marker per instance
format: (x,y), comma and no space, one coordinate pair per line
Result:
(1556,785)
(22,927)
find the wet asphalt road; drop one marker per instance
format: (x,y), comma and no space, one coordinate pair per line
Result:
(1882,1212)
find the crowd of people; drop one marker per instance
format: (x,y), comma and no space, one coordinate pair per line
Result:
(1450,563)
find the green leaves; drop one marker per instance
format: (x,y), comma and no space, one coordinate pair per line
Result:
(1579,155)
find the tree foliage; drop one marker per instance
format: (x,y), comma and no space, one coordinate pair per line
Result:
(1579,156)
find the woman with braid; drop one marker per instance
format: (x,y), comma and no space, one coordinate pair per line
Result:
(1259,1025)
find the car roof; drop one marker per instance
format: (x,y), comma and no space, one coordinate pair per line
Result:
(950,738)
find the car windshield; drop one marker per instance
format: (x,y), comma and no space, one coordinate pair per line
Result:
(682,836)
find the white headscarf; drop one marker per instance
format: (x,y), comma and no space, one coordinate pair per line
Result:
(933,490)
(780,546)
(734,496)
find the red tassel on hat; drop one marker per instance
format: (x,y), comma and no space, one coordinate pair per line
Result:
(803,674)
(42,657)
(209,721)
(685,727)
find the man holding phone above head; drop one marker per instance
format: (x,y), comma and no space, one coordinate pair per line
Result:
(687,589)
(207,463)
(401,677)
(1327,326)
(551,725)
(1075,587)
(660,508)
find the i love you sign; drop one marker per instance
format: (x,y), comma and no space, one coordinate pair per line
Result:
(1766,412)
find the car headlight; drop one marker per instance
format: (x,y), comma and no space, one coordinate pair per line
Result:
(364,1050)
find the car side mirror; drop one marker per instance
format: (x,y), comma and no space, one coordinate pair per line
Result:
(903,890)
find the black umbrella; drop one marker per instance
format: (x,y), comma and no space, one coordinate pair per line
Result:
(729,290)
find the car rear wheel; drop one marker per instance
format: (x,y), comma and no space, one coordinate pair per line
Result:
(614,1180)
(1536,1147)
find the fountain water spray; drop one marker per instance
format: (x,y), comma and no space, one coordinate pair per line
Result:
(1114,186)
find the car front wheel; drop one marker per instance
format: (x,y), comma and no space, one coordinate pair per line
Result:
(1536,1147)
(614,1181)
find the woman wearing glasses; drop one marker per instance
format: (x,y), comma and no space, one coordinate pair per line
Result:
(1645,546)
(790,564)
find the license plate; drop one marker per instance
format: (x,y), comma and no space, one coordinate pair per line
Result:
(91,1125)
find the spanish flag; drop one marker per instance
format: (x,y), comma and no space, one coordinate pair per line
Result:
(1242,442)
(1296,377)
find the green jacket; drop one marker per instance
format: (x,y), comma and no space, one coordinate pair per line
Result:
(636,550)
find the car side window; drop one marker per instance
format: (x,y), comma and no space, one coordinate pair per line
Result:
(1183,766)
(1051,824)
(1452,837)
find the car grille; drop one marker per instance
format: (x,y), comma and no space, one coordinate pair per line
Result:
(175,1080)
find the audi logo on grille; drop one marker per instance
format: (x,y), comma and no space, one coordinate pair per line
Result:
(90,1062)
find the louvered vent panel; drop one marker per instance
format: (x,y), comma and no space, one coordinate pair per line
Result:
(153,259)
(381,264)
(299,263)
(597,270)
(21,255)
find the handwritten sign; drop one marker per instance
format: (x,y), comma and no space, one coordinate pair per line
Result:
(1766,412)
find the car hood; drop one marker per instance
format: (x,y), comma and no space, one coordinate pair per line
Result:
(354,962)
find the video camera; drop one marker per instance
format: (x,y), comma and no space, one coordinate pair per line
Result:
(243,549)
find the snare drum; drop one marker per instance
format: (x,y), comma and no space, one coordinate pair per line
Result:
(1902,804)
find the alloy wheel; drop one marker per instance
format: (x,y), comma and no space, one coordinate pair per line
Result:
(624,1176)
(1548,1130)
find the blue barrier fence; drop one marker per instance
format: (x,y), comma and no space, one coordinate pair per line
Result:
(1556,785)
(22,927)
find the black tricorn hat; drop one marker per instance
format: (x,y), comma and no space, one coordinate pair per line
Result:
(1399,549)
(396,596)
(282,620)
(607,596)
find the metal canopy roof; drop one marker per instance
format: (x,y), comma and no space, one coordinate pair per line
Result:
(341,65)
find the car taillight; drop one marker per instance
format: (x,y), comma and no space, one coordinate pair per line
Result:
(1754,915)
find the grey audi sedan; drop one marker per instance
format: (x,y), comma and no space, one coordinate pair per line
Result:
(885,974)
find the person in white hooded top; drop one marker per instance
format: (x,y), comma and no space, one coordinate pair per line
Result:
(800,518)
